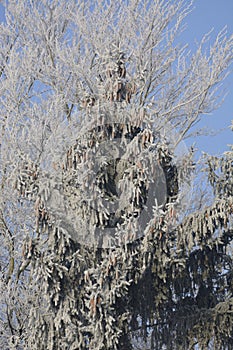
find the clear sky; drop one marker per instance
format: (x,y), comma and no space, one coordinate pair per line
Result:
(208,14)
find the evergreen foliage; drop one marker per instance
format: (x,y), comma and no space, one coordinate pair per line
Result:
(101,247)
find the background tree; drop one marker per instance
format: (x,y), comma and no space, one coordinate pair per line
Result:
(100,246)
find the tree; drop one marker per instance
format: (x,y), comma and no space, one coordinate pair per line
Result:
(100,245)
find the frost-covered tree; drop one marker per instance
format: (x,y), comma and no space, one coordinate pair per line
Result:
(102,246)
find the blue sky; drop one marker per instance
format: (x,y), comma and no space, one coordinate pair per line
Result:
(208,14)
